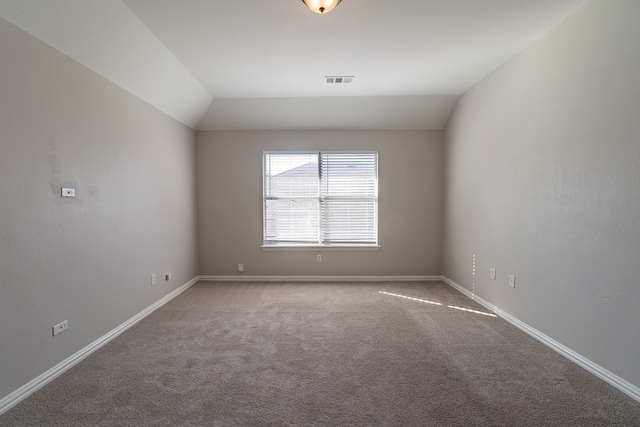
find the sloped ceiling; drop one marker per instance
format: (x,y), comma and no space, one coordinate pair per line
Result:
(258,64)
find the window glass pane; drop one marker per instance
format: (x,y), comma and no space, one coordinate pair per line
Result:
(348,221)
(349,174)
(291,221)
(291,175)
(349,188)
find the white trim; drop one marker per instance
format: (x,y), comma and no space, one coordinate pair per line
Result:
(469,294)
(313,248)
(43,379)
(621,384)
(244,278)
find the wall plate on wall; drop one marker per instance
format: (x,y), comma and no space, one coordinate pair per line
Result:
(68,192)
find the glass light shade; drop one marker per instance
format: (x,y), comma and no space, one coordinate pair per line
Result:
(321,6)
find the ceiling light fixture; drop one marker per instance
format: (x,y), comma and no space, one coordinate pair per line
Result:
(321,6)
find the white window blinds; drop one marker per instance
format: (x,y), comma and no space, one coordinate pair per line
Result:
(321,198)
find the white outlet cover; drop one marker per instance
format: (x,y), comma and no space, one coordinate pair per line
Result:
(68,192)
(60,327)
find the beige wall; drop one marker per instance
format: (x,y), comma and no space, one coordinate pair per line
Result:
(87,260)
(542,181)
(410,204)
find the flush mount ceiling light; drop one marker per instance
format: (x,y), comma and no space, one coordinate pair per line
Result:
(321,6)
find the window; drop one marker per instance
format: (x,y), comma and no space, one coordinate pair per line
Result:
(320,198)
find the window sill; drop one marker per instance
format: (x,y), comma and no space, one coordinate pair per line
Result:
(321,248)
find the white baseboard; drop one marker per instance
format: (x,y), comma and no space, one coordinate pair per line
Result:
(40,381)
(23,392)
(244,278)
(597,370)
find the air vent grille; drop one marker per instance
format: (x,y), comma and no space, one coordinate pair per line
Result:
(338,79)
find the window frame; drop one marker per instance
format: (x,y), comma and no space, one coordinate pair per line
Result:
(274,246)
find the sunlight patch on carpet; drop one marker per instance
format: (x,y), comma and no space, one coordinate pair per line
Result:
(409,298)
(468,310)
(472,311)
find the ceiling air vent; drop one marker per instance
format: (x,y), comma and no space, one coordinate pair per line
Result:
(338,79)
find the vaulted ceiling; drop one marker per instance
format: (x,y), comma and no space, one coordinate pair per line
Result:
(261,64)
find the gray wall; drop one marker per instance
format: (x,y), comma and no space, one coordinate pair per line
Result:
(410,204)
(542,181)
(87,260)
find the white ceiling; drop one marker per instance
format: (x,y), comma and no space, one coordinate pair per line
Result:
(260,64)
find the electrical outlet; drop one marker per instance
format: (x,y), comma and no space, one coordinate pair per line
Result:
(240,268)
(68,192)
(153,279)
(319,258)
(492,273)
(512,281)
(167,277)
(60,327)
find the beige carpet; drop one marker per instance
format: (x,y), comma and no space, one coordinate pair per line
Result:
(324,354)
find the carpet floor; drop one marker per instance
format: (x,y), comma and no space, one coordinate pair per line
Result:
(324,354)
